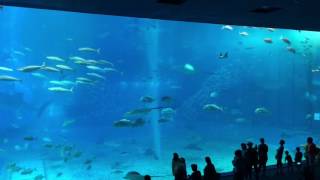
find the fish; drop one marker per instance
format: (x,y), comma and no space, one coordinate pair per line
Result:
(60,89)
(167,113)
(96,75)
(227,27)
(62,83)
(105,62)
(147,99)
(240,120)
(39,75)
(96,68)
(77,58)
(268,40)
(48,145)
(92,61)
(122,123)
(271,29)
(5,69)
(68,123)
(166,99)
(77,154)
(261,110)
(26,171)
(28,49)
(29,138)
(285,40)
(88,49)
(84,79)
(19,53)
(212,107)
(291,49)
(32,68)
(39,177)
(244,33)
(59,174)
(138,112)
(109,69)
(213,94)
(64,67)
(223,55)
(50,69)
(188,68)
(55,58)
(85,82)
(89,167)
(138,122)
(8,78)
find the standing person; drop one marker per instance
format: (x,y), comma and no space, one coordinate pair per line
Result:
(174,164)
(183,168)
(210,172)
(252,160)
(239,165)
(279,155)
(196,174)
(179,169)
(245,157)
(298,158)
(310,154)
(263,155)
(289,161)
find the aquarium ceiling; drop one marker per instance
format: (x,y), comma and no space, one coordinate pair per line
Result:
(290,14)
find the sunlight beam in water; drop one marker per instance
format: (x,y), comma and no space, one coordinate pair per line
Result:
(152,55)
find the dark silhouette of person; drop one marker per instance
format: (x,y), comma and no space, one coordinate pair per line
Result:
(239,166)
(243,149)
(180,169)
(263,155)
(209,172)
(175,161)
(279,155)
(184,168)
(147,177)
(252,155)
(196,174)
(289,161)
(245,157)
(298,158)
(310,154)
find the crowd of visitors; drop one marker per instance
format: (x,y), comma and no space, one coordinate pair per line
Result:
(250,162)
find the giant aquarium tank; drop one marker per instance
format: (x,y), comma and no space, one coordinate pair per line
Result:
(97,97)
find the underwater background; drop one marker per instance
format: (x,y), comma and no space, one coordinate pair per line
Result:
(94,97)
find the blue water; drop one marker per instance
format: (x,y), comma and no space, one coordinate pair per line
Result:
(149,58)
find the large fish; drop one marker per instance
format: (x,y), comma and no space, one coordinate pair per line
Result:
(88,49)
(32,68)
(5,69)
(8,78)
(60,89)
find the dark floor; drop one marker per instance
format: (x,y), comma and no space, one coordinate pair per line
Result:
(271,174)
